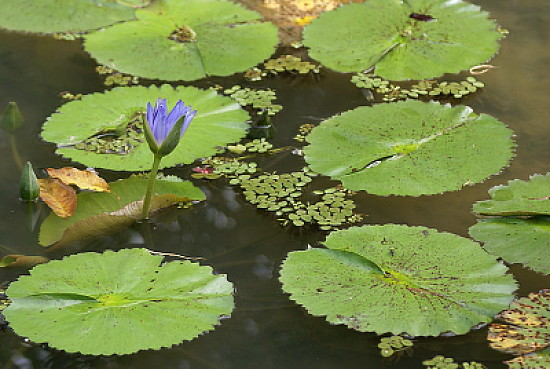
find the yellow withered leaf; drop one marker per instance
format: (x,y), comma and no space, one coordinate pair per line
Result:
(83,179)
(60,197)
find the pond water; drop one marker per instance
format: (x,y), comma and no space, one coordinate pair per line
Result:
(267,330)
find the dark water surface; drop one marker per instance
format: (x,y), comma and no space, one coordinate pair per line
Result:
(267,330)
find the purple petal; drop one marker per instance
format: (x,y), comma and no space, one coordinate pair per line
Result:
(159,128)
(177,112)
(188,118)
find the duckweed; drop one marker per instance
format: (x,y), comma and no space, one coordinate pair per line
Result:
(392,92)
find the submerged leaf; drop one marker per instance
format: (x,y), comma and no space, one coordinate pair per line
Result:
(117,302)
(219,121)
(431,283)
(409,148)
(413,39)
(104,213)
(83,179)
(527,330)
(62,15)
(518,198)
(59,197)
(186,40)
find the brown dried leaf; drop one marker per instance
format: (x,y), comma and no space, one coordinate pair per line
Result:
(527,327)
(83,179)
(61,198)
(22,261)
(292,15)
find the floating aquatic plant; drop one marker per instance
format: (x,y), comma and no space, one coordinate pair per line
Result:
(290,64)
(525,332)
(49,16)
(186,40)
(257,99)
(396,279)
(281,193)
(395,344)
(110,121)
(383,34)
(146,304)
(442,362)
(426,88)
(114,78)
(409,148)
(519,233)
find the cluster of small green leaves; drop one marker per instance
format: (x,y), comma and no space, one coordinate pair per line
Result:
(284,63)
(392,92)
(225,167)
(257,99)
(117,141)
(114,78)
(70,96)
(441,362)
(391,345)
(279,193)
(67,36)
(303,132)
(259,145)
(291,64)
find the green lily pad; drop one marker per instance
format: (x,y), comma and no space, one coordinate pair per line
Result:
(117,302)
(518,198)
(49,16)
(431,282)
(526,331)
(409,148)
(515,240)
(219,121)
(384,34)
(185,40)
(100,213)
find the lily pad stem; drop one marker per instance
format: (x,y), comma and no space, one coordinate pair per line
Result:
(150,187)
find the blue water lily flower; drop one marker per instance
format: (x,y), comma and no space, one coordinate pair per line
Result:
(164,130)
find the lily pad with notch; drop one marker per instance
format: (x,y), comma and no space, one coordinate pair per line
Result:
(117,302)
(409,148)
(413,39)
(396,279)
(185,40)
(49,16)
(104,117)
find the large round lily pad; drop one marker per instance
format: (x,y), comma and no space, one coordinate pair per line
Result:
(409,148)
(48,16)
(403,39)
(395,278)
(117,302)
(219,121)
(185,40)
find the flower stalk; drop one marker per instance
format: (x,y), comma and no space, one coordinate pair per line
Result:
(163,132)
